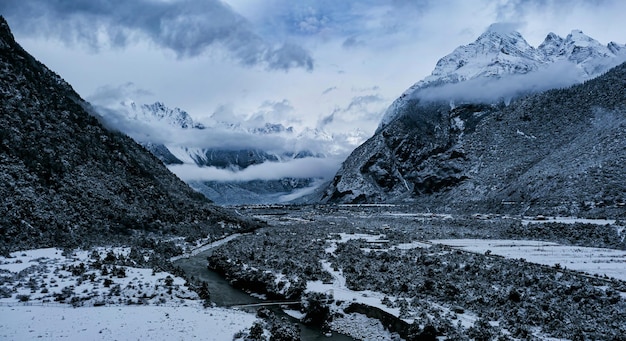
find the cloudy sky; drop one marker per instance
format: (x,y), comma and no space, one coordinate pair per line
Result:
(329,64)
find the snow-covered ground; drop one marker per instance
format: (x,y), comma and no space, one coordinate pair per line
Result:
(87,295)
(362,327)
(585,259)
(566,220)
(121,323)
(594,261)
(357,325)
(86,278)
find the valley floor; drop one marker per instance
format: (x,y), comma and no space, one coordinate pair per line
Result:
(456,277)
(358,270)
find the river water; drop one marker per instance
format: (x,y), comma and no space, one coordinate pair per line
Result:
(223,294)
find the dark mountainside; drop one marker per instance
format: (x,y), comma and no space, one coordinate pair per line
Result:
(66,181)
(559,152)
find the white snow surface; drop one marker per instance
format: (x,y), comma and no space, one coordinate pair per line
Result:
(361,327)
(566,220)
(121,323)
(594,261)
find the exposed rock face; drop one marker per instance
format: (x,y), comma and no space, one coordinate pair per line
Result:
(65,180)
(561,151)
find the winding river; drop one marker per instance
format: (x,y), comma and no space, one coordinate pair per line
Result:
(223,294)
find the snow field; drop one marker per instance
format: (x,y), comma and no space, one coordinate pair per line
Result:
(594,261)
(38,289)
(362,327)
(45,275)
(121,323)
(567,220)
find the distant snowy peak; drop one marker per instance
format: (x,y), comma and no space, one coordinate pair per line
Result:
(551,46)
(315,134)
(271,128)
(587,53)
(492,54)
(159,112)
(498,53)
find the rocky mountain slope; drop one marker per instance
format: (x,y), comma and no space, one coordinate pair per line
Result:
(65,180)
(557,152)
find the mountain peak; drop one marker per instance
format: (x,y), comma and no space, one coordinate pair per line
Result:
(490,55)
(578,38)
(503,28)
(501,52)
(159,112)
(5,31)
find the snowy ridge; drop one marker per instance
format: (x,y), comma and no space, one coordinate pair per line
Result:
(158,112)
(500,53)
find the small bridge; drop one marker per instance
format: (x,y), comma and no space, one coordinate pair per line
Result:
(263,304)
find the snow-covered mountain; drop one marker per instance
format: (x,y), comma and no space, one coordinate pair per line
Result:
(158,112)
(499,53)
(231,162)
(556,151)
(207,155)
(68,181)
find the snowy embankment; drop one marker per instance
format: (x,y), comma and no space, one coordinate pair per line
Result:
(356,325)
(594,261)
(91,295)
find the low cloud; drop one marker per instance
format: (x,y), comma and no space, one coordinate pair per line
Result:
(187,27)
(267,129)
(111,95)
(352,42)
(215,137)
(271,111)
(359,109)
(296,168)
(557,75)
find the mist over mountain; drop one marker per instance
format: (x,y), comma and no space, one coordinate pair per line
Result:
(501,65)
(247,162)
(558,152)
(68,181)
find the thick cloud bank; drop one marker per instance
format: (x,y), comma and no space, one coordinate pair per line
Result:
(297,168)
(557,75)
(187,27)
